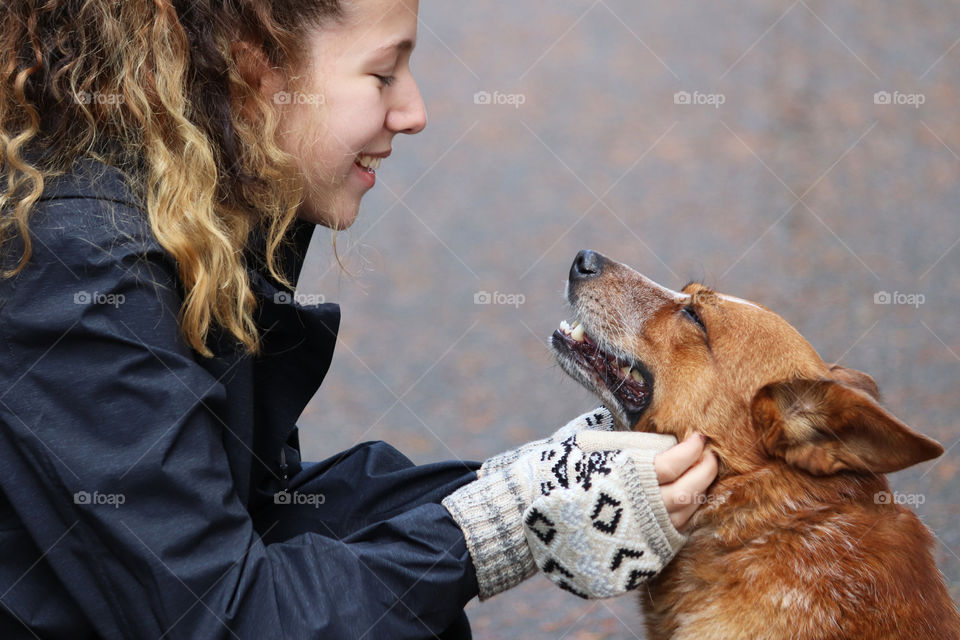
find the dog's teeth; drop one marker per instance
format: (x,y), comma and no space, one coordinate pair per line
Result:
(636,375)
(577,332)
(564,326)
(625,371)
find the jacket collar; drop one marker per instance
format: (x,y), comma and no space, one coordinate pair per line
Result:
(89,178)
(289,257)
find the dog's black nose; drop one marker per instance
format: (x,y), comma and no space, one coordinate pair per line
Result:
(587,264)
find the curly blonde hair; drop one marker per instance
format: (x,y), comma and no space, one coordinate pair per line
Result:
(176,99)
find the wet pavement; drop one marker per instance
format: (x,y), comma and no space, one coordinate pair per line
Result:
(805,155)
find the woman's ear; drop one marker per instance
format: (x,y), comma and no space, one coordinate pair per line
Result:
(256,69)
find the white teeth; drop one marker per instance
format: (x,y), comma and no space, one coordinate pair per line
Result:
(625,371)
(636,375)
(564,326)
(577,332)
(369,162)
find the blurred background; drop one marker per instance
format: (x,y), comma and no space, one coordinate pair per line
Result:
(801,154)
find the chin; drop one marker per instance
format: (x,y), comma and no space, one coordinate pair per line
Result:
(338,221)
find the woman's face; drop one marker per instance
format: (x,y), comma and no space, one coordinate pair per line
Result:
(341,110)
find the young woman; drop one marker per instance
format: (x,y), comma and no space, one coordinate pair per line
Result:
(165,165)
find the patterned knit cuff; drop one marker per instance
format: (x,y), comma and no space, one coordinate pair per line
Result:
(661,534)
(490,511)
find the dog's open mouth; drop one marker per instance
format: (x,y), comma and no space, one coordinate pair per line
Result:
(608,375)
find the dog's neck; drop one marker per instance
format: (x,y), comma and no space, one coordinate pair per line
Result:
(744,506)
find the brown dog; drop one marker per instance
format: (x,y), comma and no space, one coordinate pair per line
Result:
(798,537)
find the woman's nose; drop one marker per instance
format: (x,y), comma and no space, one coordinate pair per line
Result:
(408,115)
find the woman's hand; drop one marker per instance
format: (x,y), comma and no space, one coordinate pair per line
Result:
(596,510)
(684,473)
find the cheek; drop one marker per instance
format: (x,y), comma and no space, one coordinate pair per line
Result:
(321,142)
(355,115)
(687,394)
(302,134)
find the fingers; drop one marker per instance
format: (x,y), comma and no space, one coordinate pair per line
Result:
(699,476)
(672,464)
(681,517)
(683,496)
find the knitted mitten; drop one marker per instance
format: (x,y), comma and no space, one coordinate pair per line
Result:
(586,509)
(600,527)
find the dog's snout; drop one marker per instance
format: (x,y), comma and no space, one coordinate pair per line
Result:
(587,264)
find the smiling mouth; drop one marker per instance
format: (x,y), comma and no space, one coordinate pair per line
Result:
(370,164)
(625,381)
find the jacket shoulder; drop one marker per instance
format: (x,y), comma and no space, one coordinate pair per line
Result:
(88,234)
(94,201)
(89,215)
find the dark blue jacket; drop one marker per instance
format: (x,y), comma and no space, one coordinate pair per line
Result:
(148,492)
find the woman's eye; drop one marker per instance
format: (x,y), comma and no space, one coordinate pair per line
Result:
(693,315)
(385,80)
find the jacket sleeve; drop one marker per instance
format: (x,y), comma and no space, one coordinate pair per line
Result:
(112,456)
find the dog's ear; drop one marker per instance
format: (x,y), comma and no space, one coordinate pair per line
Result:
(855,379)
(825,426)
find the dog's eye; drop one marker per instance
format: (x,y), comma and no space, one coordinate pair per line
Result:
(691,313)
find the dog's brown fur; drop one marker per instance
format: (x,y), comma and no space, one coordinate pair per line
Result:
(797,537)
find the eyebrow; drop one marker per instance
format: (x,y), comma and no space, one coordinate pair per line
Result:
(402,46)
